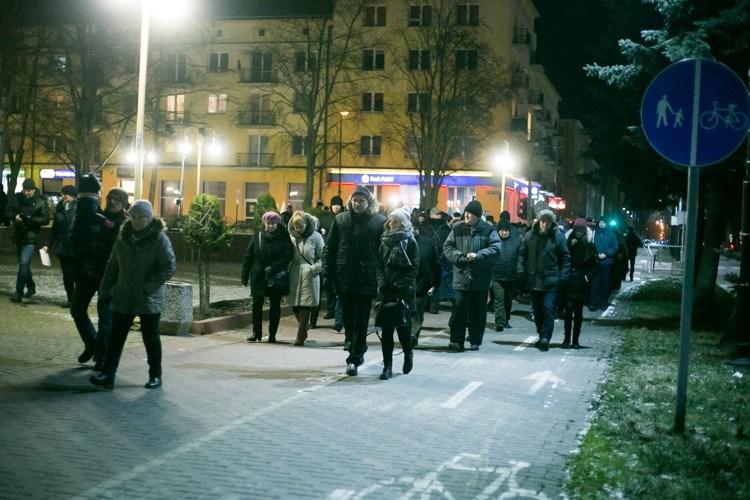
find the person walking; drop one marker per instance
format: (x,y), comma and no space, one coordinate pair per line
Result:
(59,239)
(606,248)
(471,247)
(351,262)
(268,254)
(545,262)
(142,260)
(28,211)
(505,273)
(397,266)
(92,237)
(633,243)
(333,305)
(304,271)
(428,279)
(576,292)
(440,231)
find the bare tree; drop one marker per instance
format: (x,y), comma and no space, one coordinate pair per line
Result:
(456,83)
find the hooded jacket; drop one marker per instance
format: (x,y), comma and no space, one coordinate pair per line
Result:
(352,248)
(34,214)
(463,239)
(506,265)
(62,223)
(582,266)
(544,259)
(606,243)
(397,266)
(140,263)
(307,264)
(272,250)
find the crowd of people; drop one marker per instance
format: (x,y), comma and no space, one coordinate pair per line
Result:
(403,263)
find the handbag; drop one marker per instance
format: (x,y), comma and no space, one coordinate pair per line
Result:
(392,314)
(278,282)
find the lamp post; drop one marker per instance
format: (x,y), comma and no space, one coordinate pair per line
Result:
(342,115)
(185,149)
(214,149)
(503,161)
(142,67)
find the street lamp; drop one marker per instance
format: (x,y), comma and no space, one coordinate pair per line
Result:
(185,149)
(342,115)
(503,161)
(214,149)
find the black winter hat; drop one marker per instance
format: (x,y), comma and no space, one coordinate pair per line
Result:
(69,190)
(88,184)
(503,225)
(505,215)
(474,207)
(336,200)
(28,184)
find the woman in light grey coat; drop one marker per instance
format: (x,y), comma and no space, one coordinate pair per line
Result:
(305,269)
(141,262)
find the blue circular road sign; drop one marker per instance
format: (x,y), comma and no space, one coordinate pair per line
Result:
(695,112)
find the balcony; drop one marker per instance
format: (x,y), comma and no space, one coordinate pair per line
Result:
(521,36)
(518,124)
(536,100)
(251,118)
(176,116)
(251,75)
(254,160)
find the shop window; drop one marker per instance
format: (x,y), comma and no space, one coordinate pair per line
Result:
(296,194)
(170,196)
(253,190)
(218,189)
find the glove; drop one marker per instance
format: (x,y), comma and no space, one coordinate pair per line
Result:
(461,262)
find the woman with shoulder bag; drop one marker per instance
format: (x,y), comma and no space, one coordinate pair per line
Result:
(304,272)
(265,270)
(397,266)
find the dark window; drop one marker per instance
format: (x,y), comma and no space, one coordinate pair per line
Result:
(175,68)
(374,16)
(373,60)
(467,15)
(304,61)
(170,194)
(420,15)
(419,59)
(372,101)
(466,59)
(218,63)
(418,102)
(298,145)
(370,145)
(261,67)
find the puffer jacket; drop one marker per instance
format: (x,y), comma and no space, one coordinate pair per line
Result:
(140,263)
(463,239)
(34,214)
(306,266)
(583,266)
(352,250)
(506,265)
(398,263)
(59,236)
(544,259)
(272,250)
(92,237)
(606,243)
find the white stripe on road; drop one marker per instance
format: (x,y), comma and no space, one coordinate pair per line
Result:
(526,343)
(464,393)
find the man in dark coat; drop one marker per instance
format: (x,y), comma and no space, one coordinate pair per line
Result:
(505,274)
(3,205)
(440,231)
(333,308)
(92,237)
(28,211)
(59,238)
(351,262)
(633,243)
(606,246)
(545,262)
(576,292)
(428,279)
(472,247)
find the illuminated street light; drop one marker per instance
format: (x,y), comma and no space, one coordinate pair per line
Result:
(342,115)
(504,162)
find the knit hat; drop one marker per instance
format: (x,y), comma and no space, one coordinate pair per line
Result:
(505,215)
(88,184)
(117,194)
(28,184)
(546,214)
(474,207)
(503,225)
(271,216)
(69,190)
(362,191)
(336,200)
(579,223)
(142,208)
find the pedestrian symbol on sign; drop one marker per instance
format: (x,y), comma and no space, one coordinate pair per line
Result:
(662,119)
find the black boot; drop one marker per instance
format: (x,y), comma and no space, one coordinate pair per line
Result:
(387,370)
(576,345)
(408,362)
(566,341)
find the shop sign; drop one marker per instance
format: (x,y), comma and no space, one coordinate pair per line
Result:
(49,173)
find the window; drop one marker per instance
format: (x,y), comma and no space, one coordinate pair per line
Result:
(466,59)
(262,32)
(420,15)
(16,104)
(466,148)
(373,59)
(296,194)
(218,63)
(253,190)
(259,111)
(298,145)
(417,102)
(258,155)
(175,108)
(459,197)
(304,61)
(467,15)
(174,69)
(54,144)
(300,103)
(218,189)
(372,101)
(169,199)
(58,62)
(261,67)
(219,33)
(57,101)
(419,59)
(217,103)
(306,31)
(374,16)
(370,145)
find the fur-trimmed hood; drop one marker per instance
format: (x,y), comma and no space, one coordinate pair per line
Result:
(311,225)
(589,234)
(152,231)
(372,203)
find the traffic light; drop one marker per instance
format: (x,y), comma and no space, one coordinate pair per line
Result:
(523,208)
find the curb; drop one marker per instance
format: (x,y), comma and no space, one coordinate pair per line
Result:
(231,321)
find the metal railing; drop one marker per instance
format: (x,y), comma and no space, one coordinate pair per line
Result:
(254,160)
(256,118)
(665,258)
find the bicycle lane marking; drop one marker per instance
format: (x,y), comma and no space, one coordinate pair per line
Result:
(461,395)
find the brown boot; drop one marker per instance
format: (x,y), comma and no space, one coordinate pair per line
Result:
(303,321)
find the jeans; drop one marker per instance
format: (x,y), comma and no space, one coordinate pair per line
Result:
(356,310)
(274,315)
(504,292)
(469,310)
(121,324)
(543,305)
(338,313)
(84,291)
(24,279)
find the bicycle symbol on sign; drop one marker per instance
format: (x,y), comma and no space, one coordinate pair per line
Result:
(728,116)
